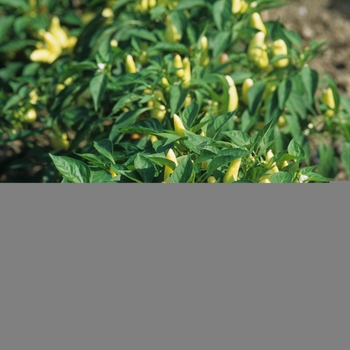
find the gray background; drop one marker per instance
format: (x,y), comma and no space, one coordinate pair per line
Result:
(135,267)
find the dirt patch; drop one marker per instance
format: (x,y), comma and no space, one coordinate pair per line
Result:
(322,20)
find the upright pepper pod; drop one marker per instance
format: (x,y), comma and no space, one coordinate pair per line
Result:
(279,47)
(257,23)
(247,84)
(179,126)
(204,59)
(179,65)
(56,30)
(244,7)
(236,6)
(165,84)
(167,170)
(232,93)
(130,64)
(328,99)
(186,79)
(257,51)
(274,168)
(172,35)
(232,171)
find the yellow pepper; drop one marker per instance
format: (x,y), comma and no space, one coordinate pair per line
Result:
(130,64)
(50,53)
(211,180)
(167,170)
(247,84)
(274,168)
(232,93)
(257,51)
(186,79)
(257,23)
(236,6)
(179,126)
(328,99)
(204,59)
(172,35)
(279,47)
(232,171)
(179,65)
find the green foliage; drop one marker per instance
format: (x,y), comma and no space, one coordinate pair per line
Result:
(105,120)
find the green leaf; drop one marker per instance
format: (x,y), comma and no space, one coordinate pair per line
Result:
(221,42)
(310,80)
(255,94)
(161,46)
(141,33)
(239,138)
(98,86)
(16,4)
(105,147)
(221,121)
(92,158)
(161,160)
(194,142)
(183,171)
(72,169)
(224,157)
(144,167)
(188,4)
(295,149)
(125,119)
(177,97)
(281,177)
(345,157)
(144,126)
(190,114)
(5,24)
(284,89)
(221,12)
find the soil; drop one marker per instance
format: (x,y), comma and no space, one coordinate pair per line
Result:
(312,20)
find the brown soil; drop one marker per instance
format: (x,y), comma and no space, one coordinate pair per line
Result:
(312,20)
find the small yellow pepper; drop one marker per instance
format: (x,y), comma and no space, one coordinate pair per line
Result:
(130,64)
(279,47)
(232,171)
(328,100)
(257,23)
(167,170)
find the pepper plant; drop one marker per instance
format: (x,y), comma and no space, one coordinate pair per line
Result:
(191,91)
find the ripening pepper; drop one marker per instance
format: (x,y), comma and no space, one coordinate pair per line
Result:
(232,171)
(274,168)
(236,6)
(257,51)
(29,116)
(247,84)
(112,172)
(264,180)
(179,126)
(165,84)
(50,53)
(59,141)
(211,180)
(204,59)
(257,23)
(186,79)
(328,99)
(270,87)
(167,170)
(279,47)
(130,64)
(232,94)
(56,30)
(158,105)
(179,65)
(172,35)
(244,7)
